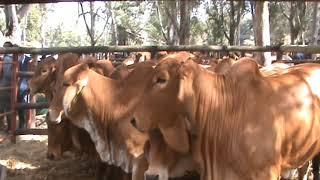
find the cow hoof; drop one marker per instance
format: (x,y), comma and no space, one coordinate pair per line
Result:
(151,177)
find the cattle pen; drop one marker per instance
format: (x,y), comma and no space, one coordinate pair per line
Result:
(16,74)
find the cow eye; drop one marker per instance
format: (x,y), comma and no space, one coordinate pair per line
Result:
(160,80)
(44,71)
(66,84)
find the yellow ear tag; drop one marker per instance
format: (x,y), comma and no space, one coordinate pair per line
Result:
(82,84)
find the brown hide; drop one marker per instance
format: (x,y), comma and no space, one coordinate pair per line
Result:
(242,125)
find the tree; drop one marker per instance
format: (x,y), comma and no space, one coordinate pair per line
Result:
(262,30)
(95,14)
(316,24)
(14,15)
(296,18)
(225,18)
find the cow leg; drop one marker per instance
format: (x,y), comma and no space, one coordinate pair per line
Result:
(102,171)
(315,167)
(140,165)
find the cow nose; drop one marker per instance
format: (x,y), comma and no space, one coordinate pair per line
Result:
(50,156)
(151,177)
(133,122)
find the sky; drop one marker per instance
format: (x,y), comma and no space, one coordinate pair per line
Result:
(66,13)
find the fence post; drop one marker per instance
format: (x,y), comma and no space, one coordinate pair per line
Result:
(31,112)
(14,89)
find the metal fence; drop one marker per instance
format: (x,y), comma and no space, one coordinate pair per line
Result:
(105,49)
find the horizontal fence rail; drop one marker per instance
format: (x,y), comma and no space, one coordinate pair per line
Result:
(97,49)
(31,131)
(32,105)
(27,74)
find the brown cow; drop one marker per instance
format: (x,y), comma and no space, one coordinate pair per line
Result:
(43,79)
(95,103)
(241,125)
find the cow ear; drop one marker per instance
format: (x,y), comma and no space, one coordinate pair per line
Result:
(245,68)
(53,72)
(176,136)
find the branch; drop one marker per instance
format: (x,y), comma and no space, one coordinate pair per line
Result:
(173,21)
(285,15)
(160,20)
(104,27)
(85,21)
(82,14)
(24,10)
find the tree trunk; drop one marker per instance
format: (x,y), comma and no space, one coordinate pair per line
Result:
(160,22)
(43,9)
(262,32)
(13,27)
(23,11)
(184,35)
(114,30)
(92,22)
(90,30)
(316,24)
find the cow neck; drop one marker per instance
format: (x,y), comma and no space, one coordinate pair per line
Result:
(48,95)
(102,99)
(130,90)
(215,116)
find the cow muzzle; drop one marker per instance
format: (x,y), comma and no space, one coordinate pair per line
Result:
(151,177)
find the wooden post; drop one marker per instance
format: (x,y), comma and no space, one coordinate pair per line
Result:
(31,112)
(3,172)
(14,84)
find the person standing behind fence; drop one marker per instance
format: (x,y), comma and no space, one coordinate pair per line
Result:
(5,81)
(23,88)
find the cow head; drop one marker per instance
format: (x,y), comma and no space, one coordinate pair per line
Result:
(162,105)
(68,97)
(59,139)
(44,76)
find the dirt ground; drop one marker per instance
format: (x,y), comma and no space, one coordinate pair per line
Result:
(26,160)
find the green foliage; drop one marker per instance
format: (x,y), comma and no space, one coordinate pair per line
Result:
(33,24)
(57,37)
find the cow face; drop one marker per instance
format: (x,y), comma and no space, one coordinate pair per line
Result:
(163,161)
(68,101)
(44,76)
(163,104)
(59,139)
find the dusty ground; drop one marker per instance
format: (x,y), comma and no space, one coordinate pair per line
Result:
(26,160)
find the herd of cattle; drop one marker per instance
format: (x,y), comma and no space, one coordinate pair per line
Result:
(173,117)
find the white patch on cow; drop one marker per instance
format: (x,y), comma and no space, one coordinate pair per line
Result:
(71,92)
(107,150)
(83,82)
(313,82)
